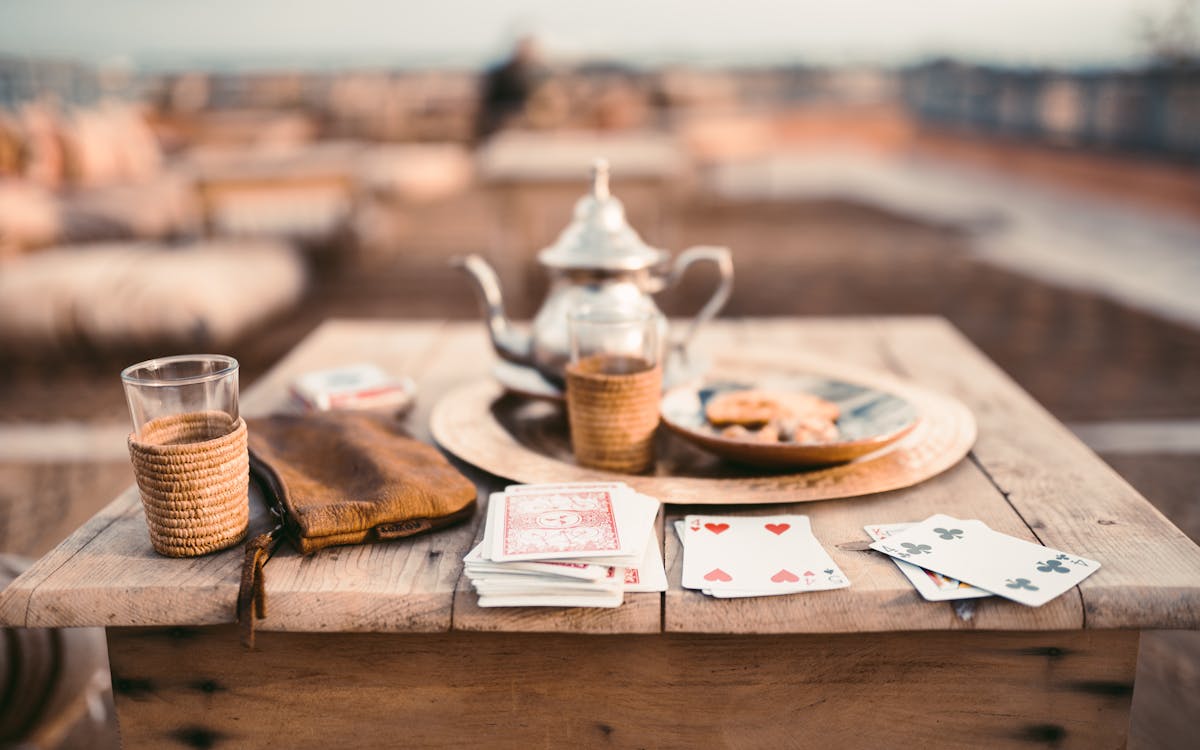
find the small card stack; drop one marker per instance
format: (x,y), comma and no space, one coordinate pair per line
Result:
(739,556)
(361,386)
(948,558)
(566,545)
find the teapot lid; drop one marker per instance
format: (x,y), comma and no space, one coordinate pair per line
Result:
(598,236)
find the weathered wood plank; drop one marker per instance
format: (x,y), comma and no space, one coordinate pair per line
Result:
(402,349)
(405,585)
(879,598)
(1062,690)
(107,573)
(16,599)
(1065,493)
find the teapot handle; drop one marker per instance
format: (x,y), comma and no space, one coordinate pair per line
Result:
(723,259)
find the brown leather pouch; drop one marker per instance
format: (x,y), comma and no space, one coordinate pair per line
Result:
(344,478)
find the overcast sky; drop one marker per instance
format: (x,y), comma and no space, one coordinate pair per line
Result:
(248,33)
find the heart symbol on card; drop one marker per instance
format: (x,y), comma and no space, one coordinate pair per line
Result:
(785,576)
(808,574)
(716,574)
(777,528)
(716,528)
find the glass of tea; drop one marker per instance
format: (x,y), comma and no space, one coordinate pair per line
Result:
(614,383)
(189,452)
(205,385)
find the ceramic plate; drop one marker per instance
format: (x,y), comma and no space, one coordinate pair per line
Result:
(870,419)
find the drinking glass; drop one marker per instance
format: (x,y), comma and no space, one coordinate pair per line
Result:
(614,383)
(201,384)
(189,452)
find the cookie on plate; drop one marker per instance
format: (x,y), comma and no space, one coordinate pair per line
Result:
(754,407)
(748,408)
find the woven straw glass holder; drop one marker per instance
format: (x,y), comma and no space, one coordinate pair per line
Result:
(193,473)
(613,417)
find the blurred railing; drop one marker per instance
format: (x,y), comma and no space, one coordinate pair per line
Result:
(1152,110)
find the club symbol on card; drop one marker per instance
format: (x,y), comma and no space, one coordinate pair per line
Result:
(777,528)
(716,528)
(1053,566)
(949,534)
(785,576)
(716,574)
(1021,583)
(916,549)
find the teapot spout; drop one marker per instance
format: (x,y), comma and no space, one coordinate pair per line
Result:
(509,343)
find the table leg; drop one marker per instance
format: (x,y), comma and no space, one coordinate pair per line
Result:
(196,687)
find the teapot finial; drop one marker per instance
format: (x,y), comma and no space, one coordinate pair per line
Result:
(600,179)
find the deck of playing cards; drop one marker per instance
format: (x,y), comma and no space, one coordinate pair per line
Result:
(948,558)
(361,386)
(740,556)
(566,545)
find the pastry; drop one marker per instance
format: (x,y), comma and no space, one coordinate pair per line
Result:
(754,407)
(767,434)
(749,408)
(805,406)
(811,429)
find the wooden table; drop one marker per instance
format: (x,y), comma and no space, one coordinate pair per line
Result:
(384,644)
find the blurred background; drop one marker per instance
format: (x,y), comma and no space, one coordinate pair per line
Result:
(223,176)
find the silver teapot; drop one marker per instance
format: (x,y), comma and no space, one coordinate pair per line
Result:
(598,260)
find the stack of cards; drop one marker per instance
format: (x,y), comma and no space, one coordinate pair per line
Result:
(361,386)
(738,556)
(948,558)
(566,545)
